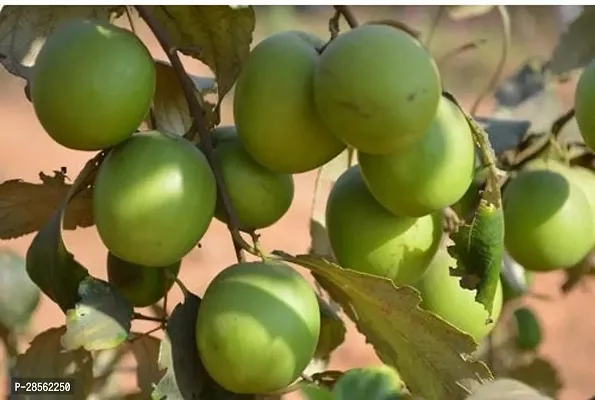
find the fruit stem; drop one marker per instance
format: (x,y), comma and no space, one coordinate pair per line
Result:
(202,128)
(348,14)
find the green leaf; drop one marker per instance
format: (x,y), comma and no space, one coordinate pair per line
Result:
(23,30)
(25,207)
(49,264)
(576,46)
(112,369)
(19,296)
(46,358)
(219,36)
(433,357)
(185,376)
(504,134)
(332,331)
(170,108)
(505,388)
(459,13)
(478,248)
(100,320)
(310,391)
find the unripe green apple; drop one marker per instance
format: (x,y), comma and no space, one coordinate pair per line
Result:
(584,98)
(377,89)
(365,237)
(548,220)
(442,294)
(154,198)
(139,284)
(258,326)
(431,174)
(259,196)
(274,107)
(92,84)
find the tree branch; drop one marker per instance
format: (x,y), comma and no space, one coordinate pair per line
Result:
(197,114)
(348,14)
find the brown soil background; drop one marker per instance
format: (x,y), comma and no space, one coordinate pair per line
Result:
(569,340)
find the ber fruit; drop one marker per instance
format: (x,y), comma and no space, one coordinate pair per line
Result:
(443,295)
(154,199)
(371,383)
(377,89)
(429,175)
(258,326)
(548,220)
(92,84)
(259,196)
(139,284)
(366,237)
(274,109)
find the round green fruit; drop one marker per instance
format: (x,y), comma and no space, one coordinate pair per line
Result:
(366,237)
(92,84)
(257,328)
(274,109)
(434,172)
(584,98)
(377,89)
(370,383)
(442,294)
(260,197)
(139,284)
(528,329)
(154,199)
(548,220)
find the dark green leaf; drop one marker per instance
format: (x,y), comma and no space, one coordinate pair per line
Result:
(332,331)
(25,207)
(504,134)
(46,358)
(23,30)
(100,320)
(478,249)
(49,263)
(432,356)
(576,47)
(19,296)
(219,36)
(170,108)
(526,82)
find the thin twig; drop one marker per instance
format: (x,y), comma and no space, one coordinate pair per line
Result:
(333,25)
(202,128)
(435,22)
(143,317)
(348,14)
(506,38)
(460,50)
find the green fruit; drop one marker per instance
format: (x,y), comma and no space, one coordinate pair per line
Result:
(19,295)
(584,98)
(140,285)
(258,326)
(92,84)
(274,107)
(260,197)
(367,238)
(434,172)
(370,383)
(582,177)
(548,221)
(377,89)
(154,199)
(442,294)
(528,329)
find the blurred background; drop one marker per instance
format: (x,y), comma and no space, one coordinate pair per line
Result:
(569,340)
